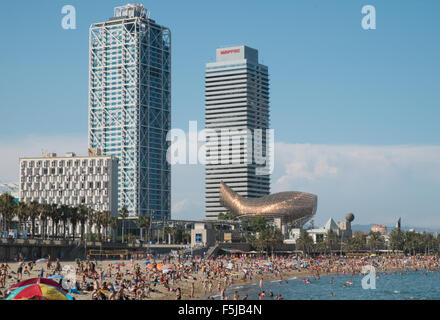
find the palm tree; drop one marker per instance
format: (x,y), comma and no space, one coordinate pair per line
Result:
(175,233)
(375,239)
(74,218)
(397,239)
(7,206)
(65,215)
(143,222)
(22,213)
(305,241)
(45,212)
(106,215)
(82,211)
(33,213)
(55,216)
(123,214)
(330,240)
(91,220)
(113,223)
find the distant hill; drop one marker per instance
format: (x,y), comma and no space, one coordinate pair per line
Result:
(367,228)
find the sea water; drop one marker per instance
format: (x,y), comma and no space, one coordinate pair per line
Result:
(396,286)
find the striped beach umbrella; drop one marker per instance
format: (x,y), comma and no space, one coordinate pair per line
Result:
(38,291)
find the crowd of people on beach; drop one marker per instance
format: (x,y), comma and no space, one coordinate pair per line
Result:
(168,277)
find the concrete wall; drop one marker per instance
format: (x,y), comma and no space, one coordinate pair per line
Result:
(69,250)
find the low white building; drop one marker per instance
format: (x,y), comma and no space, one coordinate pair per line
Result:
(71,180)
(341,229)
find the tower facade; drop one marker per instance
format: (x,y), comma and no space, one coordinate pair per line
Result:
(130,106)
(237,120)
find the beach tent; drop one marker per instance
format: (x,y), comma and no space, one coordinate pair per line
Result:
(38,291)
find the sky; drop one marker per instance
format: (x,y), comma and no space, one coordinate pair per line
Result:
(355,111)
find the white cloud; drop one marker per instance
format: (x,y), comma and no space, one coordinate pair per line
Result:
(378,183)
(308,162)
(179,206)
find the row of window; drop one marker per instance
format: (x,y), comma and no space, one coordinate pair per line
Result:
(64,163)
(64,193)
(97,204)
(65,185)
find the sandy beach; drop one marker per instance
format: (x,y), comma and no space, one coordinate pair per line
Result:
(192,281)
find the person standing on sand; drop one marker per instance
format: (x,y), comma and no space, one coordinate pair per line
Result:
(20,270)
(49,264)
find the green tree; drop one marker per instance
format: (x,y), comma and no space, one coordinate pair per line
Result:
(106,215)
(22,213)
(82,212)
(74,219)
(7,209)
(227,216)
(65,215)
(44,210)
(91,220)
(123,214)
(304,242)
(375,240)
(397,239)
(143,223)
(33,213)
(113,223)
(331,238)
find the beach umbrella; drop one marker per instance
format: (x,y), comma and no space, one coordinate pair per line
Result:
(56,276)
(35,281)
(42,260)
(268,263)
(170,267)
(38,291)
(147,262)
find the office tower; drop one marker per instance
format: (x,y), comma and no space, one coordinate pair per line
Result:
(70,180)
(130,106)
(236,99)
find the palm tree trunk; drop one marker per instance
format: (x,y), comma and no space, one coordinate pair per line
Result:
(123,227)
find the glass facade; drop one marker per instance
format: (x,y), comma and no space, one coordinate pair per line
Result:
(130,106)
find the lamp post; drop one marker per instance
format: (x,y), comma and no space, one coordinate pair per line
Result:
(342,235)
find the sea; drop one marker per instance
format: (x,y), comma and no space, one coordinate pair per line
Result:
(415,285)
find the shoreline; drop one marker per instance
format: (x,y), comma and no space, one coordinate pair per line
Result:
(196,279)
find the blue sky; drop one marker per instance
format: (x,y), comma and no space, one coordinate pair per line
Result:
(332,84)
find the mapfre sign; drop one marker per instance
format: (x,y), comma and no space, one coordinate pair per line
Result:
(230,51)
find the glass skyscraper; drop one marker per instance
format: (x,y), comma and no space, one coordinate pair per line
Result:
(236,103)
(130,106)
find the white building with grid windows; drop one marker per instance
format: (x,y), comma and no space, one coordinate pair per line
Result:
(70,180)
(236,99)
(130,106)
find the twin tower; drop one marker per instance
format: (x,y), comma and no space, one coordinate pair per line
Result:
(130,112)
